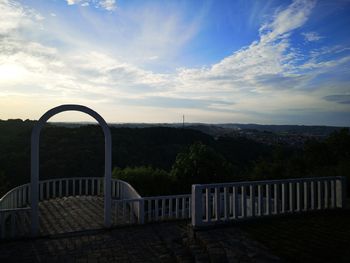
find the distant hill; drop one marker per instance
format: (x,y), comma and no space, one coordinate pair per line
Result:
(295,129)
(69,149)
(225,128)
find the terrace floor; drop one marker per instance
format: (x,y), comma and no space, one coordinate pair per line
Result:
(313,237)
(70,214)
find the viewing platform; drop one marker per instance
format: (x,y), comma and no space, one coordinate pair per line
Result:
(49,218)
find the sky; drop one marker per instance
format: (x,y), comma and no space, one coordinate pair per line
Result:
(235,61)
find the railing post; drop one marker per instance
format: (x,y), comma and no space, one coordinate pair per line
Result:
(13,224)
(260,201)
(217,203)
(341,191)
(196,205)
(141,211)
(268,199)
(243,201)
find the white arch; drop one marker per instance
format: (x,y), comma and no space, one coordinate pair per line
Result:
(35,161)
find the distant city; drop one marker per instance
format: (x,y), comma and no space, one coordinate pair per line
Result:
(289,135)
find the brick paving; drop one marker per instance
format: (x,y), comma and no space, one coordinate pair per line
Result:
(73,236)
(71,214)
(162,242)
(71,232)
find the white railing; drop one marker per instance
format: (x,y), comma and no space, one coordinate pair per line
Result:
(123,190)
(17,197)
(151,209)
(14,222)
(55,188)
(209,204)
(127,211)
(128,207)
(159,208)
(58,188)
(15,204)
(218,203)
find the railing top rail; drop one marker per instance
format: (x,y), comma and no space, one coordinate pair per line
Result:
(15,209)
(267,182)
(71,178)
(66,179)
(126,200)
(166,197)
(129,186)
(12,190)
(49,180)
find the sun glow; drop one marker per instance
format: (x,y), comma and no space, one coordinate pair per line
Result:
(12,72)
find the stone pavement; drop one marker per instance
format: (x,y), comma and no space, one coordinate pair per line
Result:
(70,214)
(162,242)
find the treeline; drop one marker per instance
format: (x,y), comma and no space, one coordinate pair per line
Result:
(200,163)
(330,157)
(160,161)
(79,151)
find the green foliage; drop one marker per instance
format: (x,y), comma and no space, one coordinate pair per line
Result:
(179,160)
(330,157)
(200,164)
(79,151)
(146,180)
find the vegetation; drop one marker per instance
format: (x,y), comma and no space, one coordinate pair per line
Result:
(146,180)
(159,161)
(330,157)
(200,164)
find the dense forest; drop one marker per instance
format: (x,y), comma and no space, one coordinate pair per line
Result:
(163,160)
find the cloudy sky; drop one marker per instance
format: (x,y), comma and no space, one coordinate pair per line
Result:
(268,62)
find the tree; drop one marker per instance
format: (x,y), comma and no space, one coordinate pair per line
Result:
(200,164)
(147,181)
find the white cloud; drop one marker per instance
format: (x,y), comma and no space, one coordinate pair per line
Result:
(270,74)
(312,36)
(267,78)
(15,17)
(271,58)
(109,5)
(72,2)
(293,17)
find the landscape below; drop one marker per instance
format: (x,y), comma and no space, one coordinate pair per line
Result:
(163,161)
(168,160)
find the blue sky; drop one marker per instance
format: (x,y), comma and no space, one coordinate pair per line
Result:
(268,62)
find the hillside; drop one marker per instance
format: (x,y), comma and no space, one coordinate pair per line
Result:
(79,151)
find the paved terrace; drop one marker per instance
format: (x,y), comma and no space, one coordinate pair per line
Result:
(72,214)
(319,237)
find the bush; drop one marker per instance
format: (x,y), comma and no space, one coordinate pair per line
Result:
(147,181)
(200,164)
